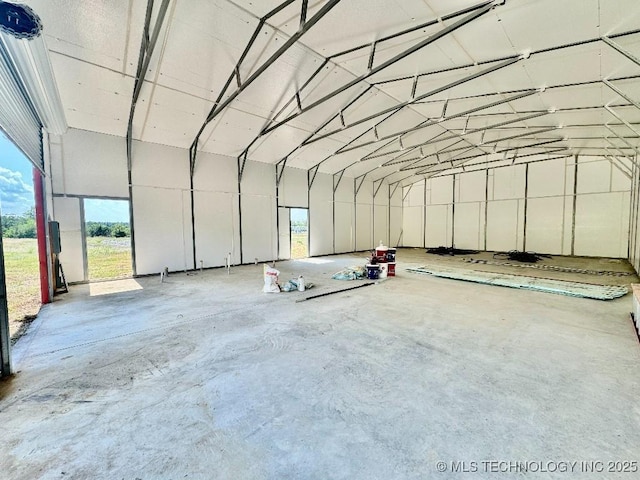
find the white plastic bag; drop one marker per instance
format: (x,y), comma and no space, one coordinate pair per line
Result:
(271,280)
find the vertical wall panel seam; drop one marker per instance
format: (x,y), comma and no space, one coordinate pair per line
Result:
(575,198)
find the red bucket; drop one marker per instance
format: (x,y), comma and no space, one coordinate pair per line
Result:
(391,269)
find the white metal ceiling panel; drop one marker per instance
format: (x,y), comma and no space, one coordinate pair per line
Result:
(95,31)
(99,94)
(618,16)
(177,115)
(548,23)
(569,65)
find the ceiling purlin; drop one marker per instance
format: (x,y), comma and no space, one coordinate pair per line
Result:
(223,100)
(471,13)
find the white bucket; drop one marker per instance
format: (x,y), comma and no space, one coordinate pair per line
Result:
(384,269)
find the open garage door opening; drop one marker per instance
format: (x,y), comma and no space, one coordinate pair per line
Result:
(107,239)
(299,221)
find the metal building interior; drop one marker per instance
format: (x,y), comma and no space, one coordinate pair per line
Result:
(484,125)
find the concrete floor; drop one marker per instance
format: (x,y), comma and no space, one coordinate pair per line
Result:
(205,377)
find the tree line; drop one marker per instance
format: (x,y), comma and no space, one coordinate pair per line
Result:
(24,226)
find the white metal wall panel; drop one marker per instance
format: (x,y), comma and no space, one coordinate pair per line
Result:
(381,224)
(440,190)
(215,173)
(471,187)
(545,225)
(160,166)
(259,229)
(94,164)
(293,188)
(259,239)
(67,211)
(438,231)
(321,216)
(344,228)
(467,226)
(594,177)
(502,225)
(413,227)
(364,227)
(619,182)
(162,232)
(547,179)
(216,225)
(508,183)
(602,224)
(381,215)
(395,216)
(344,192)
(284,234)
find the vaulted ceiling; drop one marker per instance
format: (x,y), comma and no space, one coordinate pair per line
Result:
(393,89)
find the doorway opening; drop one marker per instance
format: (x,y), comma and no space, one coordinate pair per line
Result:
(19,245)
(299,224)
(107,234)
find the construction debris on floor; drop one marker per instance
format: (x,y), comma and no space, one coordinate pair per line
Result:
(380,264)
(450,251)
(271,285)
(572,289)
(517,256)
(554,268)
(350,273)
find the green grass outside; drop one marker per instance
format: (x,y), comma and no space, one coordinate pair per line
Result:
(109,257)
(23,280)
(299,243)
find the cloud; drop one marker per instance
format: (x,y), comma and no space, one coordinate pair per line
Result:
(16,196)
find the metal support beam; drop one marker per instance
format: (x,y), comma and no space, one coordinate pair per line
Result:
(393,192)
(376,189)
(453,136)
(280,170)
(621,93)
(311,176)
(242,160)
(147,46)
(430,123)
(401,105)
(492,164)
(404,197)
(357,185)
(305,26)
(5,337)
(335,184)
(625,122)
(617,163)
(509,149)
(481,9)
(621,50)
(624,140)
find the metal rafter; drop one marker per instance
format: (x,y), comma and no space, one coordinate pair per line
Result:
(147,46)
(509,149)
(475,12)
(429,123)
(491,164)
(453,136)
(305,25)
(500,59)
(398,107)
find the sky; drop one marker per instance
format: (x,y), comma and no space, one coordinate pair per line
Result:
(16,179)
(16,189)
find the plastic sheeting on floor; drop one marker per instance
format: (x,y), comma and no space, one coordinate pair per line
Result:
(572,289)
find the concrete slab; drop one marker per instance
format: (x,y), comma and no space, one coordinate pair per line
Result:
(205,376)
